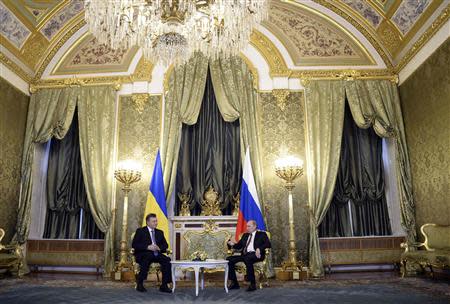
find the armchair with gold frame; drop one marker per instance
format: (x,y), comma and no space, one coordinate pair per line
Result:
(154,267)
(11,257)
(260,267)
(436,253)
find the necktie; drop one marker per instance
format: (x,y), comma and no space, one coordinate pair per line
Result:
(248,243)
(155,253)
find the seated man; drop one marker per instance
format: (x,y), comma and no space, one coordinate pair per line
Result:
(149,245)
(253,245)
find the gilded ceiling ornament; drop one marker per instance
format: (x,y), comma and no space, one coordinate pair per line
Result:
(390,37)
(281,96)
(139,101)
(34,49)
(373,40)
(435,26)
(56,48)
(270,52)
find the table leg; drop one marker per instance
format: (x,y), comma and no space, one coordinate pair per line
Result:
(173,278)
(202,278)
(196,269)
(226,278)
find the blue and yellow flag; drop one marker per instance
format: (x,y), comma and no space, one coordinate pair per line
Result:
(156,199)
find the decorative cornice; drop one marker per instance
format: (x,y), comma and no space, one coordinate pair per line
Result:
(277,65)
(15,68)
(375,43)
(350,74)
(426,36)
(79,81)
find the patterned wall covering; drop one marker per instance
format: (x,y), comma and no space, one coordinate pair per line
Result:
(13,114)
(11,28)
(426,111)
(57,21)
(408,12)
(139,133)
(283,133)
(311,39)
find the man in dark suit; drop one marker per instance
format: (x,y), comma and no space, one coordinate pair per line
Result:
(253,245)
(149,245)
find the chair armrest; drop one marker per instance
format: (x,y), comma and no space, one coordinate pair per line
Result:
(410,246)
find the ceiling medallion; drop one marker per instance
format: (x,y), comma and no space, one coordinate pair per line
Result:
(170,31)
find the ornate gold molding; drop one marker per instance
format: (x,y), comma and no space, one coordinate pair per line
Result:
(375,43)
(14,67)
(34,49)
(426,36)
(349,75)
(116,82)
(281,96)
(143,71)
(56,48)
(277,65)
(139,101)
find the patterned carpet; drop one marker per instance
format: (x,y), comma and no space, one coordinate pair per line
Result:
(410,290)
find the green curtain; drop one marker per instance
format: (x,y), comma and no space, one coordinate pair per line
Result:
(210,155)
(372,103)
(324,109)
(376,103)
(360,180)
(96,117)
(237,99)
(181,105)
(50,114)
(66,193)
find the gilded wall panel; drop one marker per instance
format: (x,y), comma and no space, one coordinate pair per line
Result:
(139,133)
(283,133)
(425,98)
(13,115)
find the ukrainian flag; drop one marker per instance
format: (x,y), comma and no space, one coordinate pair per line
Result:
(156,199)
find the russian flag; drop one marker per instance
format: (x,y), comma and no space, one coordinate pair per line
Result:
(249,207)
(156,199)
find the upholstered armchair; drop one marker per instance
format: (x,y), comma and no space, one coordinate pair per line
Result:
(154,267)
(260,267)
(10,256)
(436,253)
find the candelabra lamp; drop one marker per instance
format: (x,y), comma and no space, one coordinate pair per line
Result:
(288,169)
(127,172)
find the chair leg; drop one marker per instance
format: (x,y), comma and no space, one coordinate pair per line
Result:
(403,268)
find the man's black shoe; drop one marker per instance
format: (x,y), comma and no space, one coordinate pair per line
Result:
(141,288)
(234,285)
(252,287)
(164,288)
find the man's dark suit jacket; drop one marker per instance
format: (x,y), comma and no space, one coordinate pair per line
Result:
(142,240)
(261,241)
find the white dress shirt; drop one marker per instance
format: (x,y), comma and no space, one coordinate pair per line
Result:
(151,237)
(251,247)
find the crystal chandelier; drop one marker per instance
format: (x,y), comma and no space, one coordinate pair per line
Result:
(172,30)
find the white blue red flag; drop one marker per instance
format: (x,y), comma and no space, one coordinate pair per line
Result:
(249,207)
